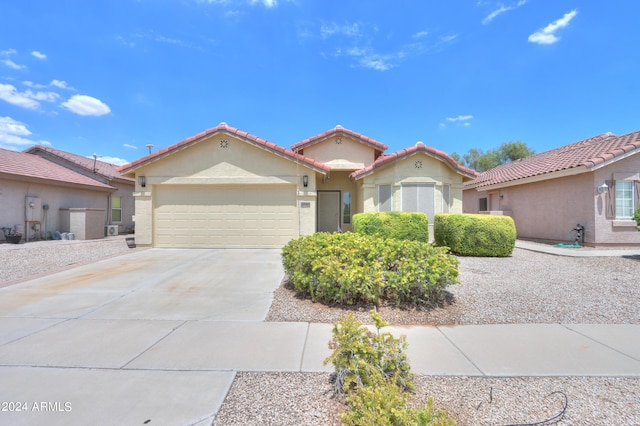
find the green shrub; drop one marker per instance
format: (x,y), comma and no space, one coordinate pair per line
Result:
(363,358)
(372,369)
(397,225)
(475,234)
(386,405)
(636,217)
(350,268)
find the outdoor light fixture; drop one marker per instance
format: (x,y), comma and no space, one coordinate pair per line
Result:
(142,180)
(602,189)
(305,181)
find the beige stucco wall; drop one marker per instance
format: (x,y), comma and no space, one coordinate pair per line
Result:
(349,154)
(12,203)
(339,181)
(418,168)
(222,160)
(550,209)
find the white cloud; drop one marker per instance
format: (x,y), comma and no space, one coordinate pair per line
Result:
(14,135)
(27,99)
(349,30)
(266,3)
(33,85)
(547,34)
(9,63)
(61,84)
(86,105)
(460,118)
(8,52)
(420,34)
(113,160)
(126,145)
(502,9)
(39,55)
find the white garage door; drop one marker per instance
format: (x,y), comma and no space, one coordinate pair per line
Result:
(224,216)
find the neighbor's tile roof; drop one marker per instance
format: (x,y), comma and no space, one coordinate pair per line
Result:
(110,171)
(335,131)
(224,128)
(588,153)
(418,147)
(27,165)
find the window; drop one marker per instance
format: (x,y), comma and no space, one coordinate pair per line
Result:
(346,207)
(446,198)
(419,198)
(482,204)
(624,199)
(116,209)
(384,198)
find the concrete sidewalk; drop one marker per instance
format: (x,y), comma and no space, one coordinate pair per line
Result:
(90,371)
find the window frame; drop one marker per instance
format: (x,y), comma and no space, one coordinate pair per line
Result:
(116,209)
(628,199)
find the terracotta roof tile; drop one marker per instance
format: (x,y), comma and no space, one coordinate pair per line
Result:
(27,165)
(108,170)
(224,128)
(386,159)
(335,131)
(588,153)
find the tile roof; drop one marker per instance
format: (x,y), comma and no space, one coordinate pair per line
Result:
(224,128)
(384,160)
(110,171)
(588,153)
(335,131)
(27,165)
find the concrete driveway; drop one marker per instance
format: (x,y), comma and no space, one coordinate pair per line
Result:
(73,345)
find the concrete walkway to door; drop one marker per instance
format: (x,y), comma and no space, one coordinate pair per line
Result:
(157,335)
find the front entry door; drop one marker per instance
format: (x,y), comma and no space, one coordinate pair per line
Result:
(328,211)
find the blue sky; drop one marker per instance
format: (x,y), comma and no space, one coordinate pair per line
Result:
(110,77)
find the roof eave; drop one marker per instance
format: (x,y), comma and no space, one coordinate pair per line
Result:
(532,179)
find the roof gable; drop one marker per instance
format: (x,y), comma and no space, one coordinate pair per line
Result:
(336,132)
(589,154)
(225,129)
(25,165)
(419,147)
(93,165)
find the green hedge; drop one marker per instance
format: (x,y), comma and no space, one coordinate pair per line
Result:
(475,234)
(397,225)
(350,268)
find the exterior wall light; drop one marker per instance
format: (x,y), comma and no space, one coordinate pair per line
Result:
(142,181)
(305,181)
(603,189)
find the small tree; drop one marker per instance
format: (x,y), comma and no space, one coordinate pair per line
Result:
(482,161)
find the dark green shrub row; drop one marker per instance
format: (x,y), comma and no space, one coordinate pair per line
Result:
(397,225)
(636,217)
(372,369)
(350,268)
(475,234)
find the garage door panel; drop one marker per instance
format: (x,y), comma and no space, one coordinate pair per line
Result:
(218,216)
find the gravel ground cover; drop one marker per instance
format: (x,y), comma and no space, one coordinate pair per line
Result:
(527,287)
(19,261)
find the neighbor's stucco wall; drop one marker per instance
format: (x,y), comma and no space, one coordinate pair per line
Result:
(348,154)
(12,203)
(612,231)
(222,160)
(550,209)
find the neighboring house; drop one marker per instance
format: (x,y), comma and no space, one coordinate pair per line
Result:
(39,197)
(594,183)
(119,207)
(227,188)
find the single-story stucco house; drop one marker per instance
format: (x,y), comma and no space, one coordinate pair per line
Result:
(39,197)
(594,183)
(227,188)
(119,205)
